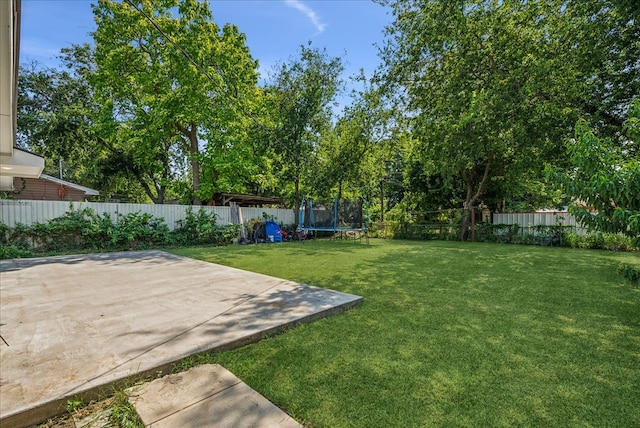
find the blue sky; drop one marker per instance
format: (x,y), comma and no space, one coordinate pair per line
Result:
(275,28)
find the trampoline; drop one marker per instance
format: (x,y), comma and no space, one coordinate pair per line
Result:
(343,218)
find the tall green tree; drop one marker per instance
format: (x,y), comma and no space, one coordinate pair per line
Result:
(603,37)
(174,82)
(54,117)
(604,179)
(341,154)
(352,160)
(127,164)
(302,96)
(493,88)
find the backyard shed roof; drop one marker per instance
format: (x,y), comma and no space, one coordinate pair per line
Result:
(246,200)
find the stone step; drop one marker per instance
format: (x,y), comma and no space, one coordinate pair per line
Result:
(205,396)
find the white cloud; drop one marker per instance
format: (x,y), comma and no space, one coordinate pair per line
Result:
(310,13)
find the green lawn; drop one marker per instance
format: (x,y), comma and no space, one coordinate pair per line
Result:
(449,334)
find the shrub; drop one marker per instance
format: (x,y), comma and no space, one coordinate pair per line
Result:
(137,231)
(67,232)
(630,272)
(485,233)
(573,240)
(83,229)
(230,234)
(201,228)
(4,233)
(606,241)
(12,251)
(506,233)
(595,241)
(616,242)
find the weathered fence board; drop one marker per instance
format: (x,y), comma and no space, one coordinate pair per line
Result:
(28,212)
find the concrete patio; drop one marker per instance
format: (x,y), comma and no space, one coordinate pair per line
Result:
(74,325)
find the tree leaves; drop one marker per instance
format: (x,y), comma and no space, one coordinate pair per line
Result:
(300,104)
(493,89)
(176,81)
(604,181)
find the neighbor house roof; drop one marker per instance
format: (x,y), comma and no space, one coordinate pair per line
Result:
(86,190)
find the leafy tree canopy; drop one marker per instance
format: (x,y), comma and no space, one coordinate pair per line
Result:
(492,89)
(604,180)
(172,82)
(301,100)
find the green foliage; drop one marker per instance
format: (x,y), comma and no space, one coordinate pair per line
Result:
(84,230)
(300,103)
(186,87)
(200,228)
(604,179)
(268,217)
(138,230)
(617,242)
(483,90)
(600,241)
(11,251)
(479,92)
(353,157)
(575,240)
(123,414)
(130,114)
(503,233)
(65,232)
(630,272)
(54,120)
(402,225)
(73,405)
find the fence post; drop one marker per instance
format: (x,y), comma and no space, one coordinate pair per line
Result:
(473,224)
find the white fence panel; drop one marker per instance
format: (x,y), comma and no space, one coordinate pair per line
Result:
(529,220)
(280,215)
(13,212)
(26,212)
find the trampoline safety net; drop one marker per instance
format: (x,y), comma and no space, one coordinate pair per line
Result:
(350,214)
(337,215)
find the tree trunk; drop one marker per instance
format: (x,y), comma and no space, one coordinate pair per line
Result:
(195,165)
(147,190)
(471,198)
(195,170)
(464,226)
(382,202)
(191,133)
(161,193)
(297,195)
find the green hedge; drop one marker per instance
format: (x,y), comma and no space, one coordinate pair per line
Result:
(601,241)
(552,235)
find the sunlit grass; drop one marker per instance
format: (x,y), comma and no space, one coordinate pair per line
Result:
(449,334)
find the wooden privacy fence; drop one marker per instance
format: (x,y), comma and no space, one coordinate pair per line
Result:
(529,221)
(27,212)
